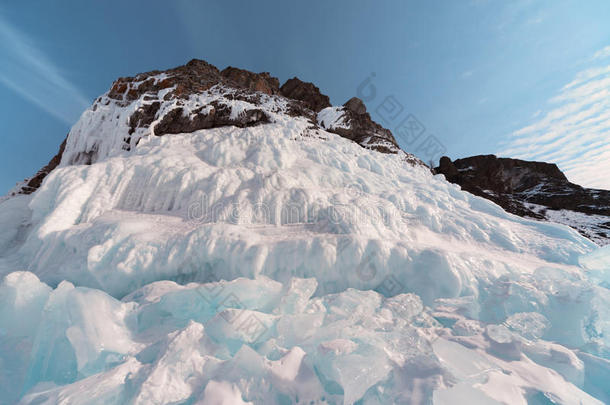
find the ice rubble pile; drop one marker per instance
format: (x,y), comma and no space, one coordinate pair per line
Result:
(261,341)
(281,263)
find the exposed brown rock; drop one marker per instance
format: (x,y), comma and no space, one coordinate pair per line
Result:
(306,92)
(355,105)
(35,182)
(144,116)
(500,175)
(262,82)
(218,115)
(196,76)
(363,130)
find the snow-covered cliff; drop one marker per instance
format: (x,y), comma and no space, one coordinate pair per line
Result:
(208,237)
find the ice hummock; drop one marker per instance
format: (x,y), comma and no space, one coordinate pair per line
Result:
(211,342)
(280,263)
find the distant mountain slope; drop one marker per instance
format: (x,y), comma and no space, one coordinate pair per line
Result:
(533,189)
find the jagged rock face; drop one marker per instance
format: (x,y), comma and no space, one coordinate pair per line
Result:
(306,92)
(503,175)
(355,106)
(262,82)
(303,99)
(218,115)
(200,96)
(532,189)
(195,77)
(356,124)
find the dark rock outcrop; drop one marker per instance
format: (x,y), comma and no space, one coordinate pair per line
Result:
(306,92)
(217,115)
(363,130)
(529,189)
(244,79)
(144,116)
(195,77)
(30,185)
(355,106)
(446,167)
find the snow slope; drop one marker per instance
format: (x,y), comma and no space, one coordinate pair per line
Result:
(591,225)
(281,263)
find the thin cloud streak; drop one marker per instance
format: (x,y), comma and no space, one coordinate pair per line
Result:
(30,73)
(574,131)
(602,53)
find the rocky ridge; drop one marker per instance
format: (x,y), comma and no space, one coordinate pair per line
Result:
(533,189)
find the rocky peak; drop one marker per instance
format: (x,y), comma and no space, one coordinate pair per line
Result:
(355,105)
(302,99)
(195,77)
(353,122)
(306,92)
(240,78)
(446,167)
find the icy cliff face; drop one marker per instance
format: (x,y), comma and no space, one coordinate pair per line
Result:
(224,246)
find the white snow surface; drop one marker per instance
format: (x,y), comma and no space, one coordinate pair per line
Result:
(590,224)
(333,117)
(279,264)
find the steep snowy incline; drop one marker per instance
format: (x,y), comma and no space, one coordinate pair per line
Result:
(279,201)
(250,254)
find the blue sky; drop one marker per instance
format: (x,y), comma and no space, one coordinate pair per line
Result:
(521,78)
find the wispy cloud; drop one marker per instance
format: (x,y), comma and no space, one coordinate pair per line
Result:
(29,72)
(602,53)
(574,131)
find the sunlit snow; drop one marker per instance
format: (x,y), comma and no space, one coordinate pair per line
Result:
(279,264)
